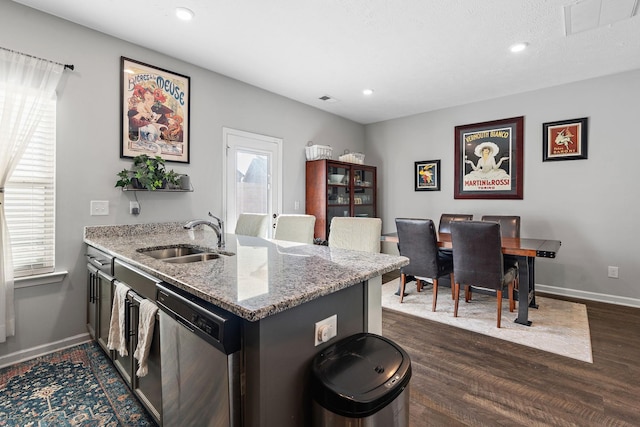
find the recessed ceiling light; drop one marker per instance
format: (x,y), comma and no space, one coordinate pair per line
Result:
(518,47)
(184,13)
(368,92)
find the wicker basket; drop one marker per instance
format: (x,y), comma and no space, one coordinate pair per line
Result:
(317,152)
(352,158)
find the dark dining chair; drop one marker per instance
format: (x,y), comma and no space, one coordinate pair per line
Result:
(478,262)
(446,219)
(417,241)
(509,227)
(445,227)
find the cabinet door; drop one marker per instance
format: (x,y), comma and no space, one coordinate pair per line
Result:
(104,286)
(148,388)
(92,310)
(364,193)
(125,364)
(338,192)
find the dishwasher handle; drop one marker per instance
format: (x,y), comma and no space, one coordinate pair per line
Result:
(184,323)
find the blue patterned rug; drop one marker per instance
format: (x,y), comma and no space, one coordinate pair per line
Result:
(78,386)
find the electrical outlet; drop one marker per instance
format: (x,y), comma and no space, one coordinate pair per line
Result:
(612,272)
(134,208)
(296,205)
(326,329)
(99,207)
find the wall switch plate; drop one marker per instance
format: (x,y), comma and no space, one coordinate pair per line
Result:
(612,272)
(134,208)
(99,207)
(326,329)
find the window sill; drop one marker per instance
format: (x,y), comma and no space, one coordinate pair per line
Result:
(41,279)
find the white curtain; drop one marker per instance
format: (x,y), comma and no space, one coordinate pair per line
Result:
(25,83)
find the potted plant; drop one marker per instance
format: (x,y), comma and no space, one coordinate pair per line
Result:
(148,172)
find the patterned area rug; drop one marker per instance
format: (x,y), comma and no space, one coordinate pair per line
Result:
(559,327)
(78,386)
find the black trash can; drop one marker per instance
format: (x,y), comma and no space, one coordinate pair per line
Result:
(361,380)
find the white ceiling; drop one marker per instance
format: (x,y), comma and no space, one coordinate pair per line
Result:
(418,55)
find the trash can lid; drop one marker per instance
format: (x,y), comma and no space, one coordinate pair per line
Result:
(359,375)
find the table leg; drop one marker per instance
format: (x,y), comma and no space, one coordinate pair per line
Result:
(526,292)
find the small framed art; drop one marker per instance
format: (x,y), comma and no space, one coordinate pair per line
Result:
(564,140)
(427,175)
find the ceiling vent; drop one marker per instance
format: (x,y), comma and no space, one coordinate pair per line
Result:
(327,98)
(589,14)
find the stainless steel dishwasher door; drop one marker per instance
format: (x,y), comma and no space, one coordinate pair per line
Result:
(200,382)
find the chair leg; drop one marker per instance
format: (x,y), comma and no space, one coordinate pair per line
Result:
(403,279)
(499,296)
(453,283)
(435,294)
(456,293)
(418,285)
(512,303)
(467,293)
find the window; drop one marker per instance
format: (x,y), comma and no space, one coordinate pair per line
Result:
(30,200)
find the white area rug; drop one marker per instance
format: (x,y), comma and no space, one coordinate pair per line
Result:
(559,327)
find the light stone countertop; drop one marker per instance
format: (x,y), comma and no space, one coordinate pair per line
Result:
(263,278)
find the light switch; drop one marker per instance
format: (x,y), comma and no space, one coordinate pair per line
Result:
(99,207)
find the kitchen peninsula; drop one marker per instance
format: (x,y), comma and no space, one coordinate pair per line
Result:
(279,290)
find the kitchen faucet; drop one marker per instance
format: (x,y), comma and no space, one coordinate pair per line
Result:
(218,228)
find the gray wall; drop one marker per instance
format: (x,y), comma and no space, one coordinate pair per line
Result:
(88,138)
(590,205)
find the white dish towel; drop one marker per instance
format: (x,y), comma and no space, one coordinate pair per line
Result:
(117,339)
(146,323)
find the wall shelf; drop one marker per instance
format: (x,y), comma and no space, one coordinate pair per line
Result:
(160,190)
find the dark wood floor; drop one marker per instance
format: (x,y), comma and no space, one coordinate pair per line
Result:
(461,378)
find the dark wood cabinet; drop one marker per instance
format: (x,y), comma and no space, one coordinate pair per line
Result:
(335,188)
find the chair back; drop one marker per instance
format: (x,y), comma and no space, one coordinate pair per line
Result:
(295,228)
(477,254)
(251,224)
(447,219)
(418,242)
(509,225)
(358,234)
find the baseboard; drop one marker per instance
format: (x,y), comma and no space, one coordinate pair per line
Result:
(591,296)
(30,353)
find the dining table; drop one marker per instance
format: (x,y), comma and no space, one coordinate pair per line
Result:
(526,250)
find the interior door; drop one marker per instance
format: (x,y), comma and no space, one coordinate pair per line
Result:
(252,175)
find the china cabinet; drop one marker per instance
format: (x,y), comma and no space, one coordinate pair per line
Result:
(335,188)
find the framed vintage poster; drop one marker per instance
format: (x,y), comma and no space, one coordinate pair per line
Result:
(427,175)
(154,112)
(489,160)
(564,140)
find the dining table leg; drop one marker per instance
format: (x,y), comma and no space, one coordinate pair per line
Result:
(526,291)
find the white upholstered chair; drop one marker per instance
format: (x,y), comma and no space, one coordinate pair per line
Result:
(362,234)
(295,228)
(358,234)
(251,224)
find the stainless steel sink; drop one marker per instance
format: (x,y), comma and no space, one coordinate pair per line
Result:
(192,258)
(170,251)
(181,254)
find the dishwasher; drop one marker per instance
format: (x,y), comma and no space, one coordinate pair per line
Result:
(200,361)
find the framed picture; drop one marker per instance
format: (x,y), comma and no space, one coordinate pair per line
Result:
(427,175)
(564,140)
(489,160)
(154,112)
